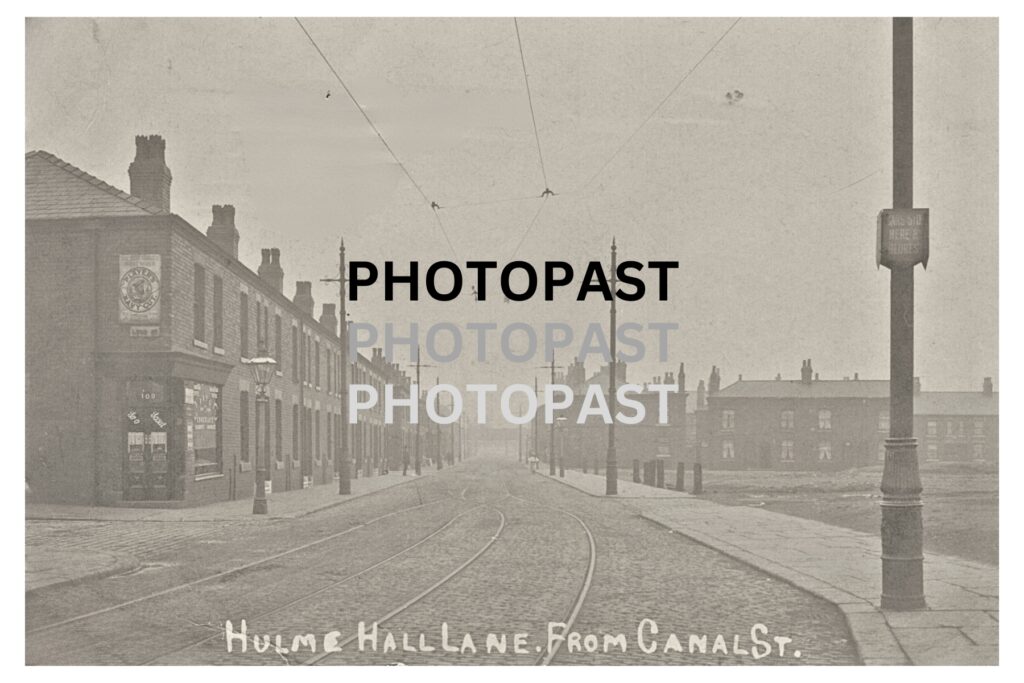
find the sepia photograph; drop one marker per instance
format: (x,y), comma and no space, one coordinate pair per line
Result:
(511,340)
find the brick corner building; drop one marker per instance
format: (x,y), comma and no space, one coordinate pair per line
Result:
(137,329)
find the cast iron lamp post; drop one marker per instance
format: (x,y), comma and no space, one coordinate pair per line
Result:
(262,369)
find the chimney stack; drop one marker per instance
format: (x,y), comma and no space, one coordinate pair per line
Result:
(715,381)
(986,386)
(270,269)
(222,231)
(806,373)
(329,318)
(149,176)
(681,377)
(917,386)
(304,297)
(700,395)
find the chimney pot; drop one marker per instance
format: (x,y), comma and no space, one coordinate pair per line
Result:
(304,297)
(917,386)
(270,269)
(148,173)
(222,230)
(986,386)
(329,319)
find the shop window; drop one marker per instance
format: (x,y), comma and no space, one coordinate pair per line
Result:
(202,424)
(787,419)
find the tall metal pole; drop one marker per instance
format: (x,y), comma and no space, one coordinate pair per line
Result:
(902,528)
(551,458)
(417,457)
(611,464)
(437,436)
(536,424)
(259,500)
(341,462)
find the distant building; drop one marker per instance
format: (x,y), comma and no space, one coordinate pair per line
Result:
(815,424)
(138,327)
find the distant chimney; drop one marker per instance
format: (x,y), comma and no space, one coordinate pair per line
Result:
(815,377)
(222,231)
(150,178)
(917,386)
(700,395)
(329,319)
(270,269)
(778,377)
(304,297)
(986,386)
(806,373)
(681,377)
(740,378)
(715,381)
(856,376)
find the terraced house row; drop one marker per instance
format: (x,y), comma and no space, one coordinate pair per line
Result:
(138,329)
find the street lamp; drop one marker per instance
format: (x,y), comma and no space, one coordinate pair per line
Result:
(262,368)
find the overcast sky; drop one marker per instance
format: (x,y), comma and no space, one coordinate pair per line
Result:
(768,203)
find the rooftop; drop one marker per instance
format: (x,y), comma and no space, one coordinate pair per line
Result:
(55,189)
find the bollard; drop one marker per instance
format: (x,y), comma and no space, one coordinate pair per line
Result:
(649,473)
(698,478)
(681,476)
(636,471)
(659,473)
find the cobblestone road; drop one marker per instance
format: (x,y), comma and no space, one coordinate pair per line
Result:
(483,548)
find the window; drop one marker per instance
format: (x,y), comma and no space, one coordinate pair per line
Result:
(824,419)
(933,451)
(728,419)
(218,312)
(787,451)
(295,430)
(727,451)
(277,431)
(979,428)
(786,421)
(243,420)
(261,342)
(199,304)
(316,436)
(277,340)
(330,376)
(933,428)
(979,451)
(243,324)
(266,329)
(950,428)
(883,422)
(329,426)
(295,354)
(316,374)
(202,426)
(881,451)
(825,450)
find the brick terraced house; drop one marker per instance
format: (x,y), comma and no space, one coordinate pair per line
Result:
(815,424)
(137,329)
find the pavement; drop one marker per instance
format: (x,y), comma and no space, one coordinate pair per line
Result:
(67,544)
(960,625)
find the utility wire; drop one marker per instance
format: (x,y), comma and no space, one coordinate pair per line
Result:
(529,98)
(530,226)
(433,205)
(657,108)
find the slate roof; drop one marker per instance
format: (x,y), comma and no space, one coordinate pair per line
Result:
(972,403)
(966,403)
(781,388)
(56,189)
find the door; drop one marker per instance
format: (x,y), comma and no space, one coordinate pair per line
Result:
(148,468)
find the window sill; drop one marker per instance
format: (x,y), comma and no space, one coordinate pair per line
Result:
(200,344)
(217,351)
(210,475)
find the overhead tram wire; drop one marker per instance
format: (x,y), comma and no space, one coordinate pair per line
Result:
(665,99)
(544,200)
(533,116)
(433,205)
